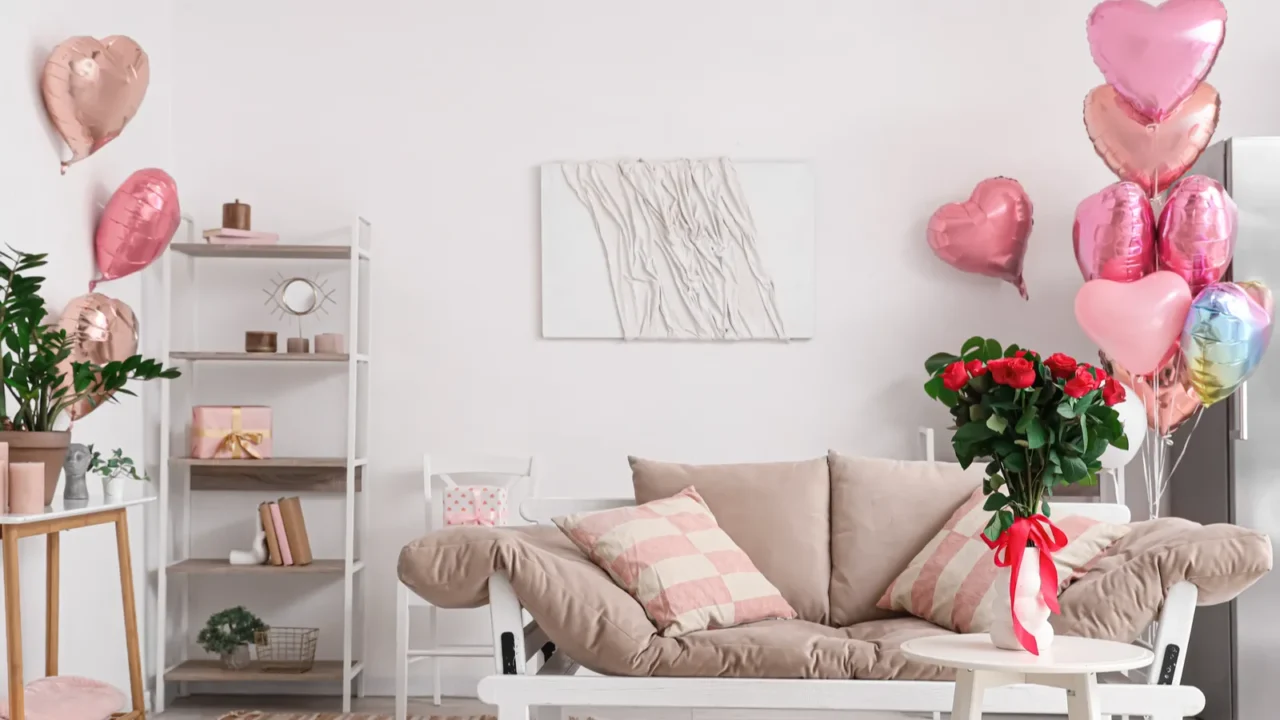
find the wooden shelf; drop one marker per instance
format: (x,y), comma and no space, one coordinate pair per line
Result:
(214,566)
(286,474)
(277,357)
(291,252)
(212,671)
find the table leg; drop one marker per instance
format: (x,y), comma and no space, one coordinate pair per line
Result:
(967,702)
(53,563)
(130,613)
(1082,697)
(13,625)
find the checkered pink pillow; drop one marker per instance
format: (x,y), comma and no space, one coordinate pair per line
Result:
(674,559)
(951,582)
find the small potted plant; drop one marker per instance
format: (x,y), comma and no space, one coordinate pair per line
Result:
(113,470)
(228,634)
(40,381)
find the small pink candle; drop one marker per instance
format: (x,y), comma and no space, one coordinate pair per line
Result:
(26,488)
(4,478)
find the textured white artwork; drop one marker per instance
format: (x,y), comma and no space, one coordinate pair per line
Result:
(678,250)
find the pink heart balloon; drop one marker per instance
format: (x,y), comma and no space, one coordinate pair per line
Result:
(987,234)
(1198,231)
(1136,323)
(1153,156)
(137,224)
(1114,234)
(1155,56)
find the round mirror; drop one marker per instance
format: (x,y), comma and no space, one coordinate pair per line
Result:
(299,296)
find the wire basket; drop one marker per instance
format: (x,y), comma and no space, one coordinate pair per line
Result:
(286,649)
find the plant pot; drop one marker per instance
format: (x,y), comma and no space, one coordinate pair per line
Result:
(49,448)
(237,659)
(1027,603)
(113,487)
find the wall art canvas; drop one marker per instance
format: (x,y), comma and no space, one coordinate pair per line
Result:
(688,249)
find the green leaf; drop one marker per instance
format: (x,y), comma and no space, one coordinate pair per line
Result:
(1121,442)
(1015,462)
(995,482)
(997,423)
(993,529)
(972,345)
(1074,469)
(1066,410)
(1044,508)
(1004,447)
(995,501)
(973,432)
(938,361)
(991,350)
(993,468)
(1011,350)
(1035,434)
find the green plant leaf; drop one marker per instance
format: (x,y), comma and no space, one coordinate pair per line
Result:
(973,345)
(997,423)
(1074,469)
(1036,435)
(1015,462)
(1044,508)
(995,501)
(938,361)
(1066,410)
(1011,350)
(990,350)
(973,432)
(993,529)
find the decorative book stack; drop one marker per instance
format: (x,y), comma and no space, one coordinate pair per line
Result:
(287,540)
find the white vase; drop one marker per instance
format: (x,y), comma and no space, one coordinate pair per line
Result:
(113,487)
(1027,603)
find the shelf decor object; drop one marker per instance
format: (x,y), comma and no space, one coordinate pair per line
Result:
(231,432)
(277,477)
(235,215)
(287,649)
(260,341)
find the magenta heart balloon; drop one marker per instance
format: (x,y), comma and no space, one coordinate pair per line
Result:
(1198,231)
(988,233)
(1136,323)
(1155,56)
(1114,234)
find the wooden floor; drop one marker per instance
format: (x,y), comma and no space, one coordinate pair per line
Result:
(212,707)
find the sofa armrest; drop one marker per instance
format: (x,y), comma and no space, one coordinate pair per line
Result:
(1127,588)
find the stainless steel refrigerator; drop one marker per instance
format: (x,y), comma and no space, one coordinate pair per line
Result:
(1231,470)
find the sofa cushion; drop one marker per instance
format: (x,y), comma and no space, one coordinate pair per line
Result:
(883,513)
(672,557)
(597,624)
(778,513)
(1124,590)
(952,582)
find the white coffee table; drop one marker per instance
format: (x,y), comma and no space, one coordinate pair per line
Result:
(1071,663)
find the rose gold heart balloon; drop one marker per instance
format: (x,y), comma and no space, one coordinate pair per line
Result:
(102,330)
(92,88)
(986,234)
(1153,156)
(1173,404)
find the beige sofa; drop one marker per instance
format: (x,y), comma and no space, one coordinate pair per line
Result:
(831,534)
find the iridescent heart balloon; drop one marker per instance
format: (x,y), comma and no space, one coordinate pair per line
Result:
(1114,234)
(1197,231)
(1224,339)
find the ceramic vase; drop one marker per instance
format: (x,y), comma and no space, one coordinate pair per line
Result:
(113,487)
(1027,603)
(237,659)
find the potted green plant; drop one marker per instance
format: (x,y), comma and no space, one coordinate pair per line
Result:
(39,382)
(113,470)
(228,634)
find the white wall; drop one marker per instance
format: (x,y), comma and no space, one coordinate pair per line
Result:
(432,118)
(46,212)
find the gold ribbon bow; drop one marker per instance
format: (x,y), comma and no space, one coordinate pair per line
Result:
(236,440)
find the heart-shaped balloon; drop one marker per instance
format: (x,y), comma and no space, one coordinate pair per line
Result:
(92,88)
(1114,234)
(102,330)
(1198,231)
(987,234)
(1261,294)
(1134,323)
(1166,394)
(1225,335)
(1155,56)
(137,224)
(1153,156)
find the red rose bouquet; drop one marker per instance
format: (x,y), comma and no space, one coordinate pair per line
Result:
(1039,423)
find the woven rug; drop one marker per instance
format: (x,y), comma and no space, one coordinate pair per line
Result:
(259,715)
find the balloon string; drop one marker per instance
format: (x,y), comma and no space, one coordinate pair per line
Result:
(1185,442)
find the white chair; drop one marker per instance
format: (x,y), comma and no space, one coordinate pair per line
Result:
(439,474)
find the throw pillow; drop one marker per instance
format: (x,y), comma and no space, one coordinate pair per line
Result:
(674,559)
(951,582)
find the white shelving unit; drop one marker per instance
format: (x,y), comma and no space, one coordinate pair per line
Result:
(183,475)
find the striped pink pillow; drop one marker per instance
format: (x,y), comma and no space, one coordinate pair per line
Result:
(951,582)
(674,559)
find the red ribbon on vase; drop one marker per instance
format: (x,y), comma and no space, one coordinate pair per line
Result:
(1009,547)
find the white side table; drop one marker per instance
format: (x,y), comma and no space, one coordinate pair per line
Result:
(1071,663)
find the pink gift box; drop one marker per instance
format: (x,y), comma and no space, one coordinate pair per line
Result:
(475,505)
(231,431)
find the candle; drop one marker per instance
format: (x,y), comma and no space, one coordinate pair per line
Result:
(4,478)
(26,488)
(235,215)
(329,343)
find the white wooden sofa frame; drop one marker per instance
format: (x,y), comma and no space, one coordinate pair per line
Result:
(560,688)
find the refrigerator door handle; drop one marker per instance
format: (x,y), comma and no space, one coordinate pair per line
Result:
(1242,412)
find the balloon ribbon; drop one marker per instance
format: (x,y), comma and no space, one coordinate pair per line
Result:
(1011,546)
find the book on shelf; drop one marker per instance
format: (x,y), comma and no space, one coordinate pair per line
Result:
(295,529)
(282,539)
(269,527)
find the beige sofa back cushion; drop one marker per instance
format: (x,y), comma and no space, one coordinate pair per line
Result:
(778,513)
(883,513)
